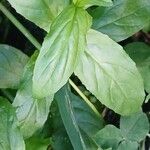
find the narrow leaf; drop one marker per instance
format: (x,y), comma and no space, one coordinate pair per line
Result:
(73,110)
(60,51)
(107,71)
(134,127)
(41,12)
(60,139)
(12,62)
(123,19)
(88,3)
(10,136)
(140,54)
(31,113)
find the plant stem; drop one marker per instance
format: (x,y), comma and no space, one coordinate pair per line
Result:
(20,26)
(38,46)
(83,96)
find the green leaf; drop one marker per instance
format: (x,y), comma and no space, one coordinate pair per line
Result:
(123,19)
(31,113)
(41,12)
(88,3)
(73,110)
(140,53)
(60,139)
(107,71)
(12,62)
(110,136)
(10,136)
(60,51)
(128,145)
(134,127)
(37,143)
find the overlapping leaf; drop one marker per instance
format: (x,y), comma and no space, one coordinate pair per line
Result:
(110,136)
(132,130)
(12,62)
(108,72)
(10,136)
(60,51)
(140,53)
(41,12)
(31,113)
(123,19)
(80,121)
(134,127)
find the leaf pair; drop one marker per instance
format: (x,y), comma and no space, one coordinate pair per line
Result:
(132,130)
(103,67)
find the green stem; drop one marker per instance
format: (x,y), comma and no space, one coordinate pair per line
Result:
(20,26)
(83,96)
(38,46)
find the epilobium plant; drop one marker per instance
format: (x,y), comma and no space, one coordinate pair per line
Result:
(81,39)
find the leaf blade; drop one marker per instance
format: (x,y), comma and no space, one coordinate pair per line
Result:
(123,19)
(72,111)
(12,62)
(107,71)
(60,51)
(31,112)
(11,138)
(41,12)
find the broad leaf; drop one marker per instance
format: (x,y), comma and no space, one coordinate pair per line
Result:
(123,19)
(41,12)
(128,145)
(134,127)
(10,136)
(60,51)
(88,3)
(37,143)
(73,110)
(107,71)
(140,53)
(31,113)
(110,136)
(12,62)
